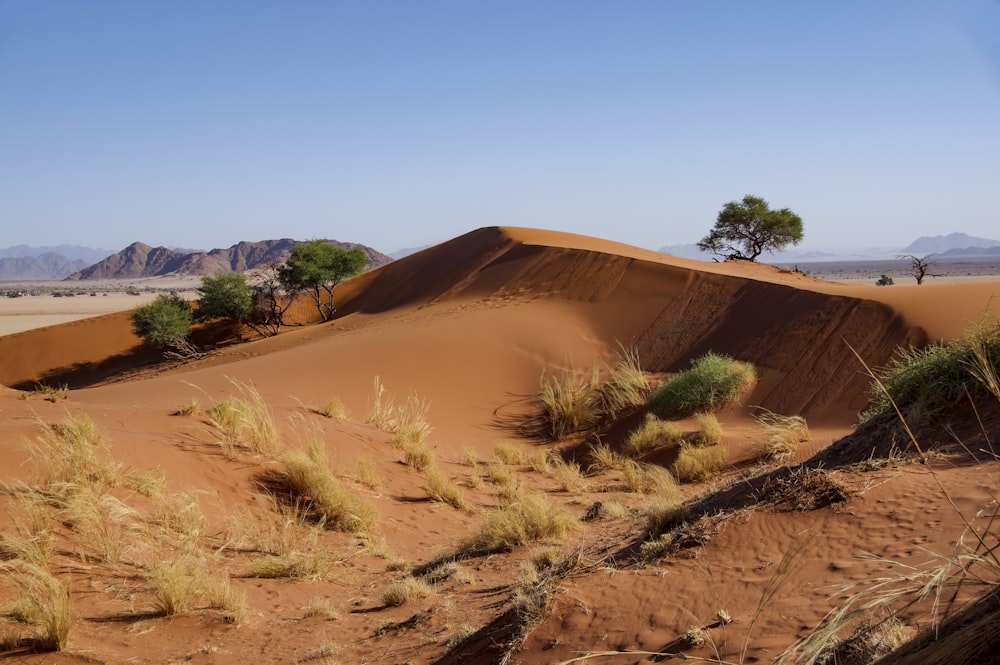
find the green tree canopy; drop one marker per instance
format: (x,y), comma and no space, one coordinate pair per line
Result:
(224,296)
(165,323)
(317,267)
(746,229)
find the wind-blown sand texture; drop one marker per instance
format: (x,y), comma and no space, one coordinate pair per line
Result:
(469,327)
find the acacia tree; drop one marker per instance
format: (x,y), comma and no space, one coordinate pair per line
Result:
(166,323)
(746,229)
(317,267)
(919,267)
(270,300)
(224,296)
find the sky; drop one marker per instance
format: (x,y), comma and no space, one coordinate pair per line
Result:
(400,124)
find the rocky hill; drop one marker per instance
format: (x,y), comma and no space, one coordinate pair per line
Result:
(140,260)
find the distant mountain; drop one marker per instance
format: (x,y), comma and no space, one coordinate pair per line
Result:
(48,265)
(74,252)
(952,241)
(406,251)
(140,260)
(970,252)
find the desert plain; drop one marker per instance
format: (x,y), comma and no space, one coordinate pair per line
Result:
(185,538)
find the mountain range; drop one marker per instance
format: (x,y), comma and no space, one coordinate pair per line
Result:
(140,260)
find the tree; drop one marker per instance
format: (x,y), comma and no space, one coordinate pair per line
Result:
(270,300)
(745,229)
(165,323)
(317,267)
(224,296)
(919,267)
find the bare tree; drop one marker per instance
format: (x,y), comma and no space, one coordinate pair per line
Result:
(919,267)
(270,300)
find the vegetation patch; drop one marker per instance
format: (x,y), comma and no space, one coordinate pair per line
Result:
(652,435)
(712,382)
(695,464)
(531,518)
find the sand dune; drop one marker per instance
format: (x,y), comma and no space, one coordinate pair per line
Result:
(469,327)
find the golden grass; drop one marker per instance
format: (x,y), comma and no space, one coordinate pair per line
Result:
(333,408)
(782,434)
(709,432)
(651,435)
(567,404)
(407,422)
(508,452)
(405,590)
(626,388)
(649,479)
(43,601)
(664,515)
(315,563)
(440,488)
(366,473)
(174,587)
(603,458)
(531,518)
(321,606)
(310,476)
(694,464)
(67,451)
(417,456)
(568,474)
(245,420)
(108,525)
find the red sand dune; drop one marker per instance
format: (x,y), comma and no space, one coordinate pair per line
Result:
(469,326)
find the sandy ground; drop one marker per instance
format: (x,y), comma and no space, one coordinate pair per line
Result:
(463,332)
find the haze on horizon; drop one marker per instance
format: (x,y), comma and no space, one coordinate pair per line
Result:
(404,124)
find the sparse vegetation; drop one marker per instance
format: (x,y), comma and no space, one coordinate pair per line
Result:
(652,434)
(696,464)
(782,434)
(649,479)
(44,602)
(712,382)
(246,420)
(405,590)
(709,432)
(440,488)
(530,519)
(67,451)
(311,478)
(509,452)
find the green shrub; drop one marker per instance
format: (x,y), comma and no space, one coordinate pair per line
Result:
(165,322)
(712,382)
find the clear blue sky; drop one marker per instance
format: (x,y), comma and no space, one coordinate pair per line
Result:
(200,123)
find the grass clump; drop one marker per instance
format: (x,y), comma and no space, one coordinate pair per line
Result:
(782,434)
(417,456)
(709,432)
(310,476)
(695,464)
(662,516)
(508,452)
(407,422)
(602,457)
(924,382)
(652,434)
(625,388)
(333,408)
(313,564)
(66,451)
(246,420)
(440,488)
(405,590)
(44,601)
(529,519)
(190,409)
(713,381)
(648,479)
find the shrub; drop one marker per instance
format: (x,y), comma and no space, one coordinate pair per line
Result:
(712,382)
(165,323)
(652,434)
(224,296)
(924,382)
(404,591)
(529,519)
(694,464)
(310,476)
(709,430)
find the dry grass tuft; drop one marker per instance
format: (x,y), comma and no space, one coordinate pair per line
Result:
(366,473)
(333,408)
(694,465)
(782,434)
(709,431)
(417,456)
(603,458)
(649,479)
(440,488)
(316,563)
(190,409)
(568,473)
(651,435)
(44,600)
(67,451)
(530,519)
(508,452)
(310,476)
(663,516)
(110,527)
(245,420)
(405,590)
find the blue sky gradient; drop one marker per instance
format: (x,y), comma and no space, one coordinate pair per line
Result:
(397,124)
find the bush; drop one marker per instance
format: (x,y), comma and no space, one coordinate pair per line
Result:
(712,382)
(165,322)
(224,296)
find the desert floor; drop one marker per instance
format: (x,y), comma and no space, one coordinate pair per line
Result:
(186,535)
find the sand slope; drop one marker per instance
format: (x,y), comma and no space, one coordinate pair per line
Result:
(468,327)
